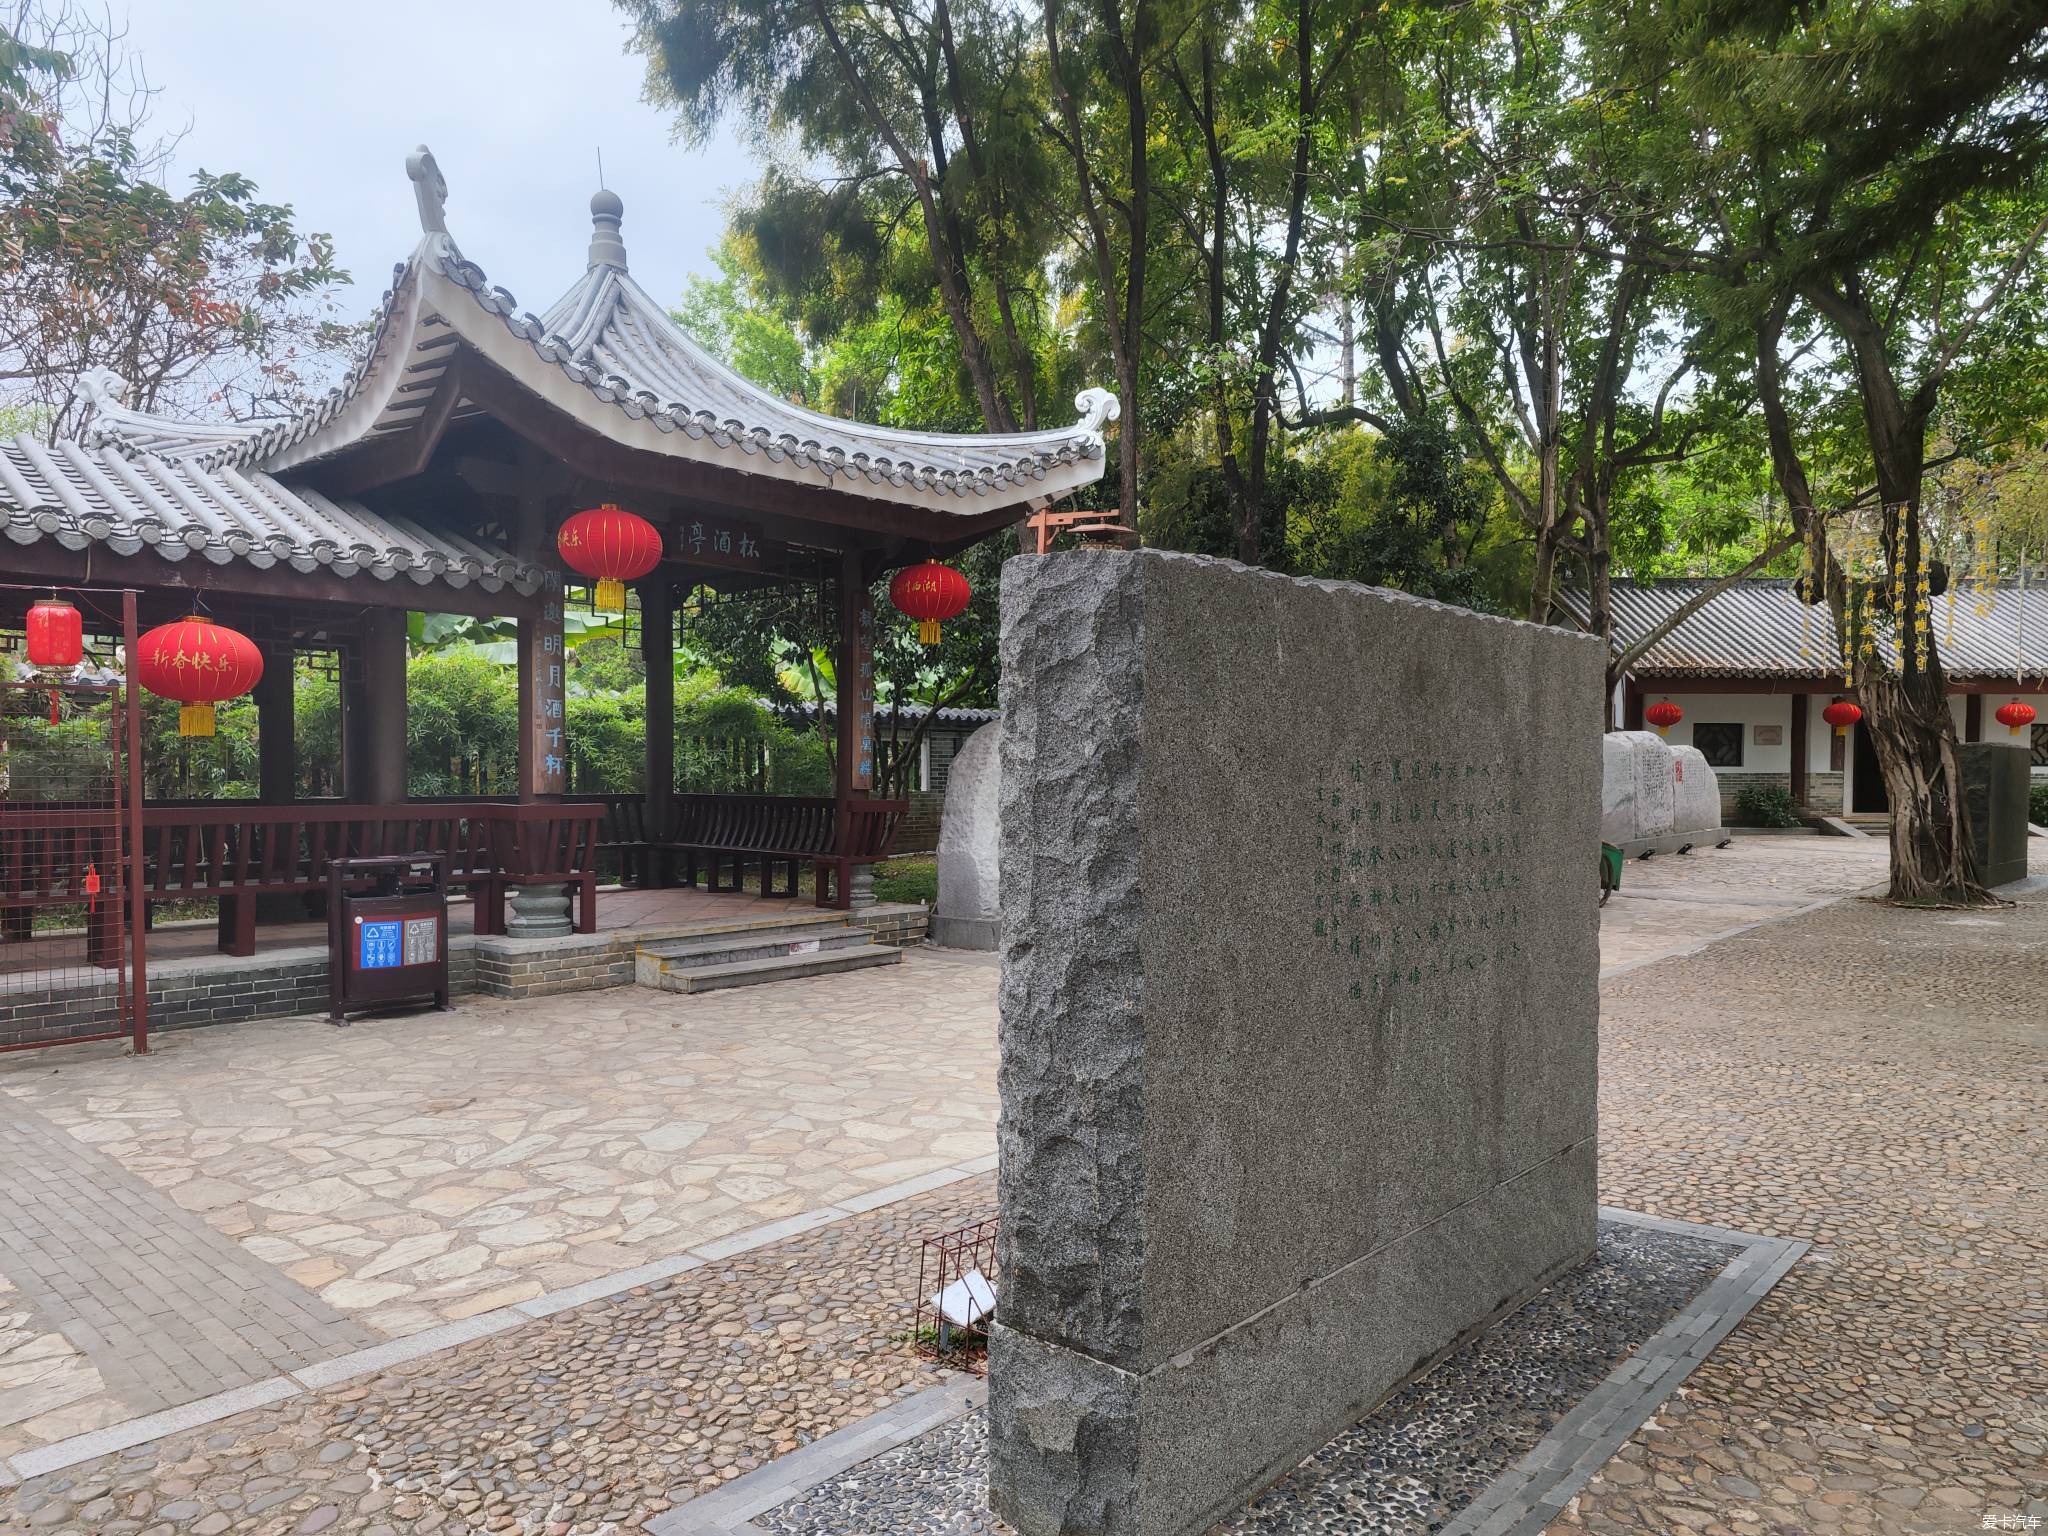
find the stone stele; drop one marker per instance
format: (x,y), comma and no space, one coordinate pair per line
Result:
(970,835)
(1299,1017)
(1696,792)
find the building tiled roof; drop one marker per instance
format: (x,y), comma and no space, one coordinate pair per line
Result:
(1761,629)
(131,500)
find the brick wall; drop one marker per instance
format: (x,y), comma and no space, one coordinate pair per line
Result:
(222,989)
(1823,791)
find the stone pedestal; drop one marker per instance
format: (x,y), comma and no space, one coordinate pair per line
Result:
(1996,779)
(967,914)
(539,912)
(1299,1016)
(861,888)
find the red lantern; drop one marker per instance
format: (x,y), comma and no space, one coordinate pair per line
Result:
(56,634)
(614,546)
(930,593)
(1841,715)
(198,663)
(1663,714)
(56,638)
(2016,716)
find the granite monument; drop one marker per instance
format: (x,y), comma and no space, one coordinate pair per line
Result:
(1299,1016)
(966,915)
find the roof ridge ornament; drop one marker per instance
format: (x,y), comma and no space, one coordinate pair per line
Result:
(1097,407)
(607,212)
(430,189)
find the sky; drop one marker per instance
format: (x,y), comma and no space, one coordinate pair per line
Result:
(320,103)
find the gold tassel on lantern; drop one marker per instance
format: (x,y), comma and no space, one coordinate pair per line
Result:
(611,596)
(195,719)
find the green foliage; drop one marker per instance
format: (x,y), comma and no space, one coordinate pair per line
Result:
(908,880)
(210,297)
(2037,803)
(1766,805)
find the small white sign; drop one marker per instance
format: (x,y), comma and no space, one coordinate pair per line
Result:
(967,1300)
(804,947)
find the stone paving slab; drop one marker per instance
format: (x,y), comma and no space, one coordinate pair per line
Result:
(252,1199)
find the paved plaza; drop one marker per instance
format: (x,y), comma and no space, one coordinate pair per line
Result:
(253,1198)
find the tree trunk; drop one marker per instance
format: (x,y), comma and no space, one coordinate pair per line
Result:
(1915,738)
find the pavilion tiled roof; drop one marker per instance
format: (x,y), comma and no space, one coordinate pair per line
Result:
(1755,630)
(129,500)
(636,376)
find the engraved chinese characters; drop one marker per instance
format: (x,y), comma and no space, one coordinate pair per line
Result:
(547,756)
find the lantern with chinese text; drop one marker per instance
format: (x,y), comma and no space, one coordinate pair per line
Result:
(56,638)
(1663,715)
(2016,716)
(1841,715)
(930,593)
(613,546)
(198,663)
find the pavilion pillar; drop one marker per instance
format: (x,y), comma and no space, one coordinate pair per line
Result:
(277,768)
(542,911)
(854,762)
(1973,717)
(657,654)
(376,776)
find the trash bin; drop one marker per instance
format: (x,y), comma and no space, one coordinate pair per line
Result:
(387,931)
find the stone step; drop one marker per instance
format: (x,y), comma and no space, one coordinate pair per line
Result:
(755,943)
(753,973)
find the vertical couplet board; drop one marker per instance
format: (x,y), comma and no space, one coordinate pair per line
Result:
(542,676)
(1299,1015)
(856,678)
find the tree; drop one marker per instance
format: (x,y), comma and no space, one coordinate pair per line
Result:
(1875,175)
(917,110)
(209,299)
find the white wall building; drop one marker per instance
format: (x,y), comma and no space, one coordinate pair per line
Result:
(1753,669)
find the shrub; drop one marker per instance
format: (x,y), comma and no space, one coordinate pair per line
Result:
(1766,805)
(2037,803)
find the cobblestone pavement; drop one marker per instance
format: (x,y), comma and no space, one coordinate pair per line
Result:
(253,1196)
(1872,1081)
(591,1421)
(1675,900)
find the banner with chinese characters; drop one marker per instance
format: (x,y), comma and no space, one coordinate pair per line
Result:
(547,755)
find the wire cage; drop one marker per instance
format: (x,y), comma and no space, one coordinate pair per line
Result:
(63,906)
(960,1267)
(73,962)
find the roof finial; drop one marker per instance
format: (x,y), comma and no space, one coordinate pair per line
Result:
(430,188)
(606,213)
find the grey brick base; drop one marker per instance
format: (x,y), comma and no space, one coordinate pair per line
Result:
(226,989)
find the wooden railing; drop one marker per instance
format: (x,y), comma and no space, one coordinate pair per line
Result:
(237,852)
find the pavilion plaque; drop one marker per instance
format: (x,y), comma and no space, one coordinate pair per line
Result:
(1299,1015)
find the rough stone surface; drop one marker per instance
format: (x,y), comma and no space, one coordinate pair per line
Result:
(967,915)
(1995,784)
(1299,1021)
(1696,792)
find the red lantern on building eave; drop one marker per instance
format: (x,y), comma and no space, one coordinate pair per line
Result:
(199,663)
(1663,715)
(2015,716)
(56,638)
(612,546)
(1841,715)
(930,593)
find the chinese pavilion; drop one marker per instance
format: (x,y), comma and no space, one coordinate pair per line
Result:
(434,479)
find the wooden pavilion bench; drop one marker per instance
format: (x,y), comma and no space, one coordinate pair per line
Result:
(781,833)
